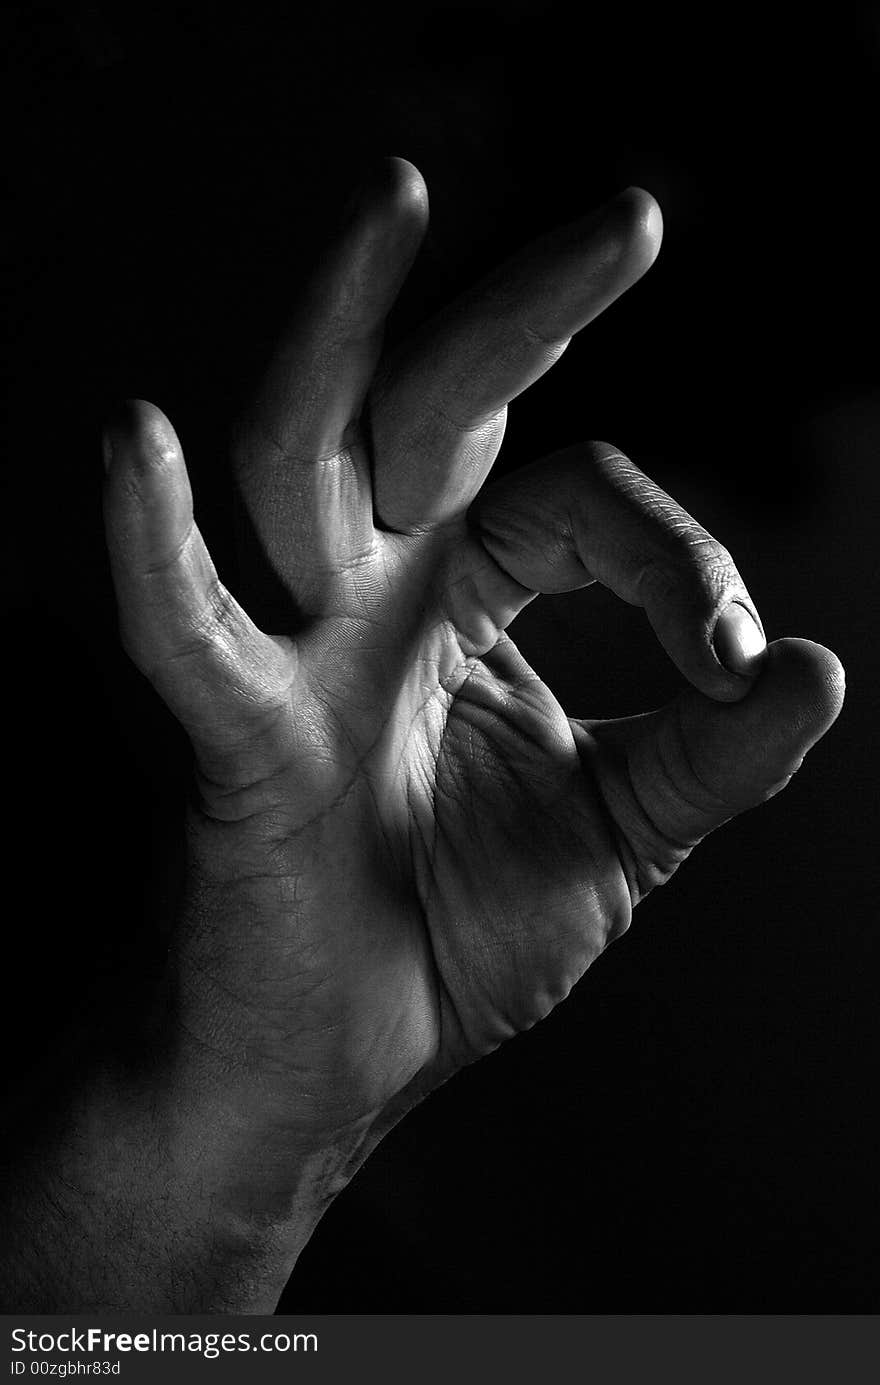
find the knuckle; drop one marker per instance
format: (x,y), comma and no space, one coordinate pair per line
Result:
(209,628)
(609,455)
(219,620)
(159,566)
(651,848)
(692,566)
(706,559)
(683,556)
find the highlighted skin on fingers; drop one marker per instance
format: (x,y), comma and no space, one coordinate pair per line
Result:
(149,496)
(438,406)
(323,362)
(302,468)
(166,584)
(183,629)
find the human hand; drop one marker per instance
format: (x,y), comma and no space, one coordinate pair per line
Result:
(402,851)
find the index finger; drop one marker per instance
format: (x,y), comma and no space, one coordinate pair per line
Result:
(589,514)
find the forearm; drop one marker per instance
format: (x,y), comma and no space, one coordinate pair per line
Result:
(134,1205)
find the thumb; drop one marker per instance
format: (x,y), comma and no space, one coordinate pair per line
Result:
(672,776)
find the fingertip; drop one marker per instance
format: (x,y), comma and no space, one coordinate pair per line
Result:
(834,678)
(141,432)
(147,495)
(629,229)
(394,189)
(407,186)
(642,222)
(746,751)
(812,680)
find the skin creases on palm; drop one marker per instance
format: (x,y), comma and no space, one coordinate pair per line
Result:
(438,812)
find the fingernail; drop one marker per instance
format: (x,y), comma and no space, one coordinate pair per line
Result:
(739,644)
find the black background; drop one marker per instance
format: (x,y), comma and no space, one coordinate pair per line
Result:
(695,1129)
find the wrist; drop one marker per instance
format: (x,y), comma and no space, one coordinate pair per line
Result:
(150,1199)
(248,1167)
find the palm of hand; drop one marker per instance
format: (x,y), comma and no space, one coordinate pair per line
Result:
(437,816)
(406,851)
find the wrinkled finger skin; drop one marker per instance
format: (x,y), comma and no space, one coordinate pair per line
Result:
(402,850)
